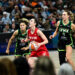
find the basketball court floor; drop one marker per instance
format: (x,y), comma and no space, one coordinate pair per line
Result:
(53,56)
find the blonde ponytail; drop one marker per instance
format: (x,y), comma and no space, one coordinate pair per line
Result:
(71,16)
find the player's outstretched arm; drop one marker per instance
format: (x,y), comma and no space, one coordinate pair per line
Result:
(10,41)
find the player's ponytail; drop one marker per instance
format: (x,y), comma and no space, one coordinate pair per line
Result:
(71,16)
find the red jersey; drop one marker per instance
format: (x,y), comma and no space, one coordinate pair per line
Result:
(37,38)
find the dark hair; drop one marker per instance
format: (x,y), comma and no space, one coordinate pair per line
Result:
(3,69)
(44,66)
(22,66)
(10,66)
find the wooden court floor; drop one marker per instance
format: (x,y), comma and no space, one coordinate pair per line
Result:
(53,56)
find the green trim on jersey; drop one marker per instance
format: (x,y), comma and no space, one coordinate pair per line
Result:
(18,55)
(16,47)
(27,53)
(61,50)
(64,24)
(24,54)
(24,33)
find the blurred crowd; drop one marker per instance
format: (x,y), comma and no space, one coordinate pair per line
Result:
(43,66)
(47,12)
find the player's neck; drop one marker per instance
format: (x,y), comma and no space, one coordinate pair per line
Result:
(32,30)
(65,21)
(23,31)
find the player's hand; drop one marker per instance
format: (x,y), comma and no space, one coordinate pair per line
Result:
(26,40)
(51,36)
(24,48)
(39,44)
(7,51)
(22,40)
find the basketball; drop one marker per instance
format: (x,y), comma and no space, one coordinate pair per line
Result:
(33,46)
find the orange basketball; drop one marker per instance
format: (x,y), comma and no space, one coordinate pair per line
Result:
(33,46)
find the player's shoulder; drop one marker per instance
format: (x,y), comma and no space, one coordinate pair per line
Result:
(28,30)
(58,23)
(39,31)
(16,32)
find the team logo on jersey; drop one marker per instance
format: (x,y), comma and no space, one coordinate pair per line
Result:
(33,38)
(63,30)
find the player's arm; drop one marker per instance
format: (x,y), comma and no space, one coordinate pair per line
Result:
(25,48)
(10,40)
(56,31)
(73,27)
(45,40)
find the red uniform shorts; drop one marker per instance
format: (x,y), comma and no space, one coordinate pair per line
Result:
(39,53)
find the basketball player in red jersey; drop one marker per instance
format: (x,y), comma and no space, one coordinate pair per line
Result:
(34,34)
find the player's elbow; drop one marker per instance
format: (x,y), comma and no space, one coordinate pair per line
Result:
(10,40)
(46,41)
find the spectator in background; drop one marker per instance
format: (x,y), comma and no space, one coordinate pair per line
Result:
(40,23)
(0,3)
(58,17)
(65,69)
(16,18)
(27,13)
(5,4)
(22,66)
(47,12)
(44,66)
(35,13)
(51,16)
(3,69)
(43,13)
(23,9)
(52,20)
(53,23)
(73,9)
(9,65)
(0,19)
(5,18)
(13,27)
(58,4)
(1,24)
(15,10)
(10,7)
(6,29)
(20,3)
(47,24)
(1,10)
(51,6)
(44,5)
